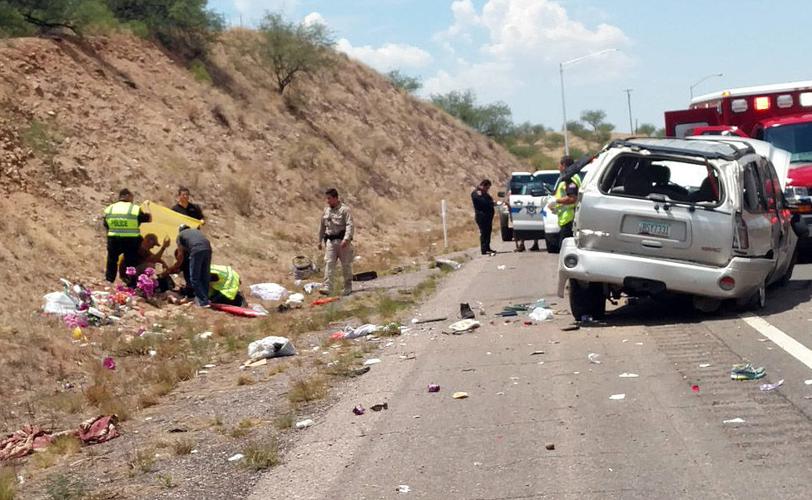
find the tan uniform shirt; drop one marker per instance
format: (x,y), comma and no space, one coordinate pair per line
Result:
(335,220)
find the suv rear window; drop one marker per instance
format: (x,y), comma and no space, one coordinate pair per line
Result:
(517,182)
(679,180)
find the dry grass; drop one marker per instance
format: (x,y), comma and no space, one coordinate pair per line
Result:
(261,455)
(183,446)
(8,484)
(245,380)
(241,196)
(64,487)
(307,388)
(243,428)
(63,446)
(141,461)
(284,421)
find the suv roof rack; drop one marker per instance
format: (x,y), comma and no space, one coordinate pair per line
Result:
(713,150)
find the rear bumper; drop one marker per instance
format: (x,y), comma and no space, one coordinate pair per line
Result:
(681,277)
(528,234)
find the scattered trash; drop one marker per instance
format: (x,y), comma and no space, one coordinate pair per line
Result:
(771,387)
(312,287)
(303,267)
(269,291)
(304,424)
(234,458)
(617,396)
(403,488)
(270,347)
(550,446)
(763,340)
(58,303)
(252,364)
(466,312)
(77,334)
(373,361)
(31,438)
(447,264)
(470,369)
(459,395)
(808,382)
(704,365)
(746,371)
(428,320)
(325,300)
(593,358)
(464,325)
(506,314)
(628,375)
(379,407)
(365,276)
(501,268)
(353,333)
(257,308)
(541,314)
(204,335)
(359,410)
(434,387)
(360,371)
(209,366)
(536,353)
(571,328)
(695,388)
(109,363)
(736,420)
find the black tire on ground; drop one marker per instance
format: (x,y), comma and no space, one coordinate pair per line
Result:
(507,232)
(788,274)
(553,242)
(587,299)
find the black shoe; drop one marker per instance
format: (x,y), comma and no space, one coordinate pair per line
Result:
(535,248)
(466,312)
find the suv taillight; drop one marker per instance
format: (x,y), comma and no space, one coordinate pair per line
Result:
(741,240)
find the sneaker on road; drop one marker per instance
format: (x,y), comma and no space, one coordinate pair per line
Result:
(747,372)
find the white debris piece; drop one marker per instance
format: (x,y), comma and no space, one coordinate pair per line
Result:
(617,397)
(373,361)
(304,424)
(736,420)
(269,291)
(541,314)
(593,358)
(270,347)
(628,375)
(234,458)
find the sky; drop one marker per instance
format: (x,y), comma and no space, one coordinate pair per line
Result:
(510,50)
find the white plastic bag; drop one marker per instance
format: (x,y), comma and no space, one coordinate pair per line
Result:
(361,331)
(541,314)
(295,299)
(58,303)
(269,291)
(270,347)
(464,325)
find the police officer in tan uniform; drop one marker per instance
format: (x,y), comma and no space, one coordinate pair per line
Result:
(335,233)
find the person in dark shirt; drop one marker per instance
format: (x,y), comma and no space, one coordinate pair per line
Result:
(483,214)
(194,247)
(186,207)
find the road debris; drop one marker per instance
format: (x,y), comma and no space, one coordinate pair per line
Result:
(304,424)
(403,488)
(466,312)
(808,382)
(269,291)
(421,321)
(736,420)
(447,264)
(541,314)
(550,446)
(204,335)
(325,300)
(465,325)
(359,410)
(270,347)
(746,371)
(372,361)
(695,388)
(536,353)
(628,375)
(109,363)
(379,407)
(571,328)
(459,395)
(771,387)
(704,365)
(434,387)
(617,397)
(234,458)
(593,358)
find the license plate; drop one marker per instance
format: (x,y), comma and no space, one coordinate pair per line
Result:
(654,229)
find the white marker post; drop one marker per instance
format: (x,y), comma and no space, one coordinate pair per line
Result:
(443,209)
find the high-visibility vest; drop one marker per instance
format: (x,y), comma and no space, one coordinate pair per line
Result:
(566,213)
(228,281)
(122,219)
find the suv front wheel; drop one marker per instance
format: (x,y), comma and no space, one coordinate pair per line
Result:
(507,232)
(587,299)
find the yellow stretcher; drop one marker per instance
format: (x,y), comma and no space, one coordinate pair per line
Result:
(165,224)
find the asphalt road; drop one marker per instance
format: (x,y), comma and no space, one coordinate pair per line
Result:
(663,440)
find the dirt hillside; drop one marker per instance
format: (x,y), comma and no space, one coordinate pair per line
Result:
(79,121)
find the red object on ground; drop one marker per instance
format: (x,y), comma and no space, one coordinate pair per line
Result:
(98,429)
(695,388)
(326,300)
(109,363)
(236,310)
(23,442)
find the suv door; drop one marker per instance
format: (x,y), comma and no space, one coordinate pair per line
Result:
(782,234)
(758,239)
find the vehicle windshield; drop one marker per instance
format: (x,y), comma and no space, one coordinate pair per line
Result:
(518,181)
(795,138)
(677,180)
(548,178)
(541,187)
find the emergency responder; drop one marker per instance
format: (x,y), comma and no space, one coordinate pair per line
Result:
(336,233)
(566,196)
(224,286)
(483,215)
(194,247)
(122,220)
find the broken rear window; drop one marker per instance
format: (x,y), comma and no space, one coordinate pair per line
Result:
(678,180)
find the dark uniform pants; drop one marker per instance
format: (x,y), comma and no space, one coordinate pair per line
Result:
(116,246)
(566,231)
(485,224)
(199,275)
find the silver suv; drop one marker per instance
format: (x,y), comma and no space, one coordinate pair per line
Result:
(704,217)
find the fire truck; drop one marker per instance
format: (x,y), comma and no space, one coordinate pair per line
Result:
(780,114)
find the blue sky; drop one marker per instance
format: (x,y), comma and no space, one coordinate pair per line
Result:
(509,50)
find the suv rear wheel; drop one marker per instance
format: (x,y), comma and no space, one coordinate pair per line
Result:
(507,232)
(553,242)
(587,299)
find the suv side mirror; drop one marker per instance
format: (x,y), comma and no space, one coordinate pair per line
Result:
(500,194)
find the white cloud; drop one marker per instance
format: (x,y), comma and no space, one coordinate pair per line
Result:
(490,81)
(314,18)
(255,9)
(388,56)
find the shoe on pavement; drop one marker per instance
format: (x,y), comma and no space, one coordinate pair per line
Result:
(535,248)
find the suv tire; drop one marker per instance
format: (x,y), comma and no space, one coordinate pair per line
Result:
(587,299)
(788,274)
(553,242)
(507,232)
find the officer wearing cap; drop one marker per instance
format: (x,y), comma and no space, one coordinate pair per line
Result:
(335,234)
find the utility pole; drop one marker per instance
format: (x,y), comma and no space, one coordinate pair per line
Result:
(629,99)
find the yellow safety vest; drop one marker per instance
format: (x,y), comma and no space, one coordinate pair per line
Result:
(122,220)
(566,213)
(228,281)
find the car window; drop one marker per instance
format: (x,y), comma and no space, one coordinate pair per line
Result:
(753,200)
(772,188)
(641,177)
(517,182)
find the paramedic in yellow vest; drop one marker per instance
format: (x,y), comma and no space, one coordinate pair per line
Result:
(224,286)
(566,196)
(122,220)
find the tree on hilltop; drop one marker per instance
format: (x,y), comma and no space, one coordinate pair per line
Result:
(409,84)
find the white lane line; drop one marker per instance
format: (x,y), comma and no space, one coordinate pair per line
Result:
(781,339)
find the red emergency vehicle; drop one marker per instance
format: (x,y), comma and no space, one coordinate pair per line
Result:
(780,114)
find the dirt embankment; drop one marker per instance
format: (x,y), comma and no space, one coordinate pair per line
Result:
(79,122)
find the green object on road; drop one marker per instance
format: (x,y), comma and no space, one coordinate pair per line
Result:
(746,371)
(518,307)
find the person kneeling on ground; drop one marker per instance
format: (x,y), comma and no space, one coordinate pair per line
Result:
(194,246)
(224,286)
